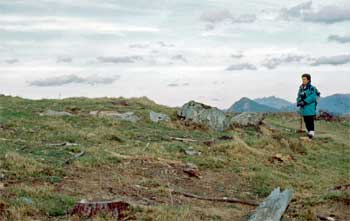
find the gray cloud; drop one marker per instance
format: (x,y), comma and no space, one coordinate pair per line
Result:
(72,78)
(138,46)
(122,59)
(272,63)
(173,85)
(339,39)
(242,66)
(248,18)
(163,44)
(237,55)
(332,60)
(179,57)
(178,85)
(217,16)
(64,60)
(296,11)
(11,61)
(327,14)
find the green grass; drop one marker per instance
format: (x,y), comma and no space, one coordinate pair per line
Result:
(241,167)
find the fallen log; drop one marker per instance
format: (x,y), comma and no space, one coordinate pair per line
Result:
(327,218)
(217,199)
(182,139)
(62,144)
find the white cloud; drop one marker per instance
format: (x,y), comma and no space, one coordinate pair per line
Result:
(121,59)
(72,78)
(21,23)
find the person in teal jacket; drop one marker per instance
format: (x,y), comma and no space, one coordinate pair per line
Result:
(307,101)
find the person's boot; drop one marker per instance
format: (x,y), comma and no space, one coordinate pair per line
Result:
(311,134)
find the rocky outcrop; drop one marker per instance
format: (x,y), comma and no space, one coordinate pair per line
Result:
(217,119)
(155,117)
(204,114)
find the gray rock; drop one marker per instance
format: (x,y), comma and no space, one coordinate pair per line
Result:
(247,119)
(155,117)
(204,114)
(192,152)
(273,207)
(26,200)
(55,113)
(127,116)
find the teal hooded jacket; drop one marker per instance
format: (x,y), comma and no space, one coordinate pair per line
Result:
(308,94)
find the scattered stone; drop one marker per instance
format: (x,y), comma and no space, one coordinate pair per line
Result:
(192,170)
(76,156)
(2,186)
(89,209)
(55,113)
(273,207)
(192,152)
(247,119)
(155,117)
(204,114)
(26,200)
(127,116)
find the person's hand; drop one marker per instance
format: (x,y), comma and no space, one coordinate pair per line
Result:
(301,104)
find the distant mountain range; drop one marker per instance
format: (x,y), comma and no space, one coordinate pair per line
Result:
(247,105)
(336,104)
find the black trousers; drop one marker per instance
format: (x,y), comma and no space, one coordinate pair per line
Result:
(309,122)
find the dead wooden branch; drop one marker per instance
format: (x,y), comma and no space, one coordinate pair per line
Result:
(217,199)
(188,168)
(327,218)
(182,139)
(62,144)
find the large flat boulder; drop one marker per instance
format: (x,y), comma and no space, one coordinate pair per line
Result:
(53,113)
(127,116)
(247,119)
(204,114)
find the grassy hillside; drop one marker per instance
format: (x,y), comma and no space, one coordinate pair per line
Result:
(37,184)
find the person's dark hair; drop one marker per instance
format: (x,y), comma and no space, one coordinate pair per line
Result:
(308,76)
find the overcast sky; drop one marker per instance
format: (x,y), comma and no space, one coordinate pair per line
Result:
(173,51)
